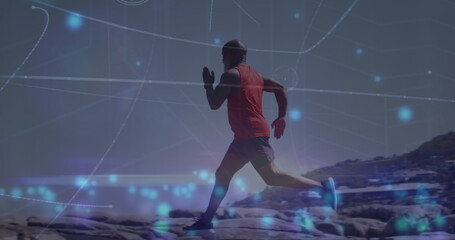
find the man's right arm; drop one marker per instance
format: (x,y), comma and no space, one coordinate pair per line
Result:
(271,85)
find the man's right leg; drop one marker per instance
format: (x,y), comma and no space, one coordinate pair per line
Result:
(232,162)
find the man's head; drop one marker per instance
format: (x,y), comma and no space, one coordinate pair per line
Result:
(234,53)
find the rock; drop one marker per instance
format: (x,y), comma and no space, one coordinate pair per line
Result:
(113,218)
(268,223)
(444,224)
(68,222)
(12,220)
(425,236)
(406,225)
(5,234)
(385,212)
(330,227)
(363,227)
(254,213)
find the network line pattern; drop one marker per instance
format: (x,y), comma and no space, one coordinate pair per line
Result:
(405,114)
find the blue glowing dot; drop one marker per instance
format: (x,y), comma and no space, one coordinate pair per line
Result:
(405,113)
(192,186)
(74,21)
(359,51)
(81,181)
(203,174)
(195,172)
(165,187)
(113,178)
(388,187)
(59,208)
(217,41)
(31,191)
(267,220)
(91,192)
(295,114)
(296,15)
(243,189)
(161,225)
(152,194)
(2,191)
(377,78)
(49,196)
(132,189)
(41,189)
(138,63)
(93,183)
(239,182)
(88,211)
(176,191)
(212,180)
(16,192)
(219,191)
(430,72)
(163,209)
(231,212)
(257,197)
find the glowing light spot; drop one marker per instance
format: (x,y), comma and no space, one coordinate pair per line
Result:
(405,114)
(163,209)
(49,195)
(81,181)
(161,225)
(304,219)
(430,72)
(212,180)
(267,220)
(138,63)
(257,197)
(59,208)
(176,191)
(195,172)
(243,189)
(152,194)
(88,211)
(296,15)
(359,51)
(219,191)
(16,192)
(132,189)
(74,21)
(440,221)
(2,191)
(377,78)
(231,212)
(113,178)
(91,192)
(93,183)
(31,191)
(388,187)
(41,190)
(165,187)
(402,224)
(215,222)
(295,114)
(423,225)
(192,186)
(238,182)
(217,41)
(203,174)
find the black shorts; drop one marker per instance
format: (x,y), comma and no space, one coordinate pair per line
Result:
(256,150)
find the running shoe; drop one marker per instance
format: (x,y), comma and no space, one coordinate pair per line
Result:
(199,225)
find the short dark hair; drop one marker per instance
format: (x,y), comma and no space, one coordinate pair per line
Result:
(235,45)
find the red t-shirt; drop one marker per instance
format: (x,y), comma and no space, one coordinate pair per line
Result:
(245,106)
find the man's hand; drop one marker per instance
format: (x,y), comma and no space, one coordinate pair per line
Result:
(208,78)
(279,125)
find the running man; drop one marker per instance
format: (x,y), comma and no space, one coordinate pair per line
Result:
(243,87)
